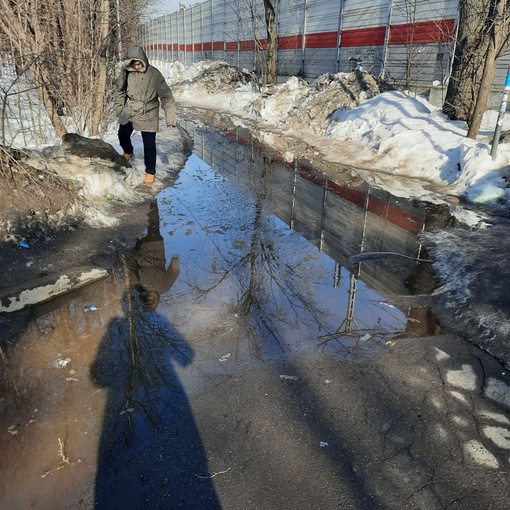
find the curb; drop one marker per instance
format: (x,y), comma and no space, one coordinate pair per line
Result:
(47,288)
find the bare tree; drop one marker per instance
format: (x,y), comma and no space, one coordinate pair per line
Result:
(483,35)
(69,49)
(272,41)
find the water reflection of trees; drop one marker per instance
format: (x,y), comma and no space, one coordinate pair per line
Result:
(271,295)
(134,362)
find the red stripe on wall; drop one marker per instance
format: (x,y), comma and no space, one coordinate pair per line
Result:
(321,40)
(394,215)
(363,37)
(262,44)
(354,196)
(246,45)
(422,33)
(291,42)
(411,33)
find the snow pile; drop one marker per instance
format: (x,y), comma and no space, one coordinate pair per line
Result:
(295,103)
(206,77)
(424,143)
(286,106)
(392,124)
(397,136)
(329,92)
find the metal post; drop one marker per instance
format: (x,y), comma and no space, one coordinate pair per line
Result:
(294,191)
(303,40)
(178,32)
(184,35)
(238,7)
(386,40)
(193,34)
(339,36)
(202,31)
(337,276)
(502,111)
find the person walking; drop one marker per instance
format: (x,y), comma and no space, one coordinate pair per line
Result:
(140,89)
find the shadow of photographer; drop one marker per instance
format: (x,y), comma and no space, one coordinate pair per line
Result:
(150,451)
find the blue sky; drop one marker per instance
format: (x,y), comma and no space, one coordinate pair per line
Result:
(160,7)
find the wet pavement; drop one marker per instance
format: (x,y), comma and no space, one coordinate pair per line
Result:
(266,343)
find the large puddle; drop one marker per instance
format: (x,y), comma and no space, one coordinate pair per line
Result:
(244,259)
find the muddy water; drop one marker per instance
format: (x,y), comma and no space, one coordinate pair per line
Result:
(251,258)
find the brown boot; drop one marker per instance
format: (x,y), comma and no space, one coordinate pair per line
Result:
(127,157)
(149,179)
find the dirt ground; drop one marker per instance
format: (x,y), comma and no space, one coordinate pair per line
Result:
(43,227)
(39,211)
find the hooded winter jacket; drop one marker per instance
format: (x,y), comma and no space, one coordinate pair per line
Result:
(140,92)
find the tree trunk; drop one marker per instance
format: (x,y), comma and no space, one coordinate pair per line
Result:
(99,103)
(48,99)
(272,42)
(468,61)
(484,29)
(489,70)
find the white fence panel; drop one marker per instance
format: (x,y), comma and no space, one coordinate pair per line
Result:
(290,17)
(412,11)
(360,14)
(322,16)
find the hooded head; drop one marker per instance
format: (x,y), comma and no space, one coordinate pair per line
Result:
(136,55)
(149,298)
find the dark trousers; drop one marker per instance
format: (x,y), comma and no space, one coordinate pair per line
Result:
(149,146)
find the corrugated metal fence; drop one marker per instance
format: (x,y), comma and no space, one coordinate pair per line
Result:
(406,41)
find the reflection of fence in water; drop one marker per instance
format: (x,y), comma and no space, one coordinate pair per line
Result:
(340,221)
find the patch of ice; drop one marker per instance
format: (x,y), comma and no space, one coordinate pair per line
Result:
(476,451)
(460,420)
(469,218)
(497,417)
(441,355)
(499,391)
(499,436)
(464,378)
(459,396)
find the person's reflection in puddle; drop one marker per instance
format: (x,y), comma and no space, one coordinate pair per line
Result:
(150,452)
(147,264)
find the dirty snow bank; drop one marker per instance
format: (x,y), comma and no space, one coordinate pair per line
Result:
(402,136)
(208,77)
(425,143)
(472,298)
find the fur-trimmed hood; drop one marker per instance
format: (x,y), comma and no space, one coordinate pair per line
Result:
(135,53)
